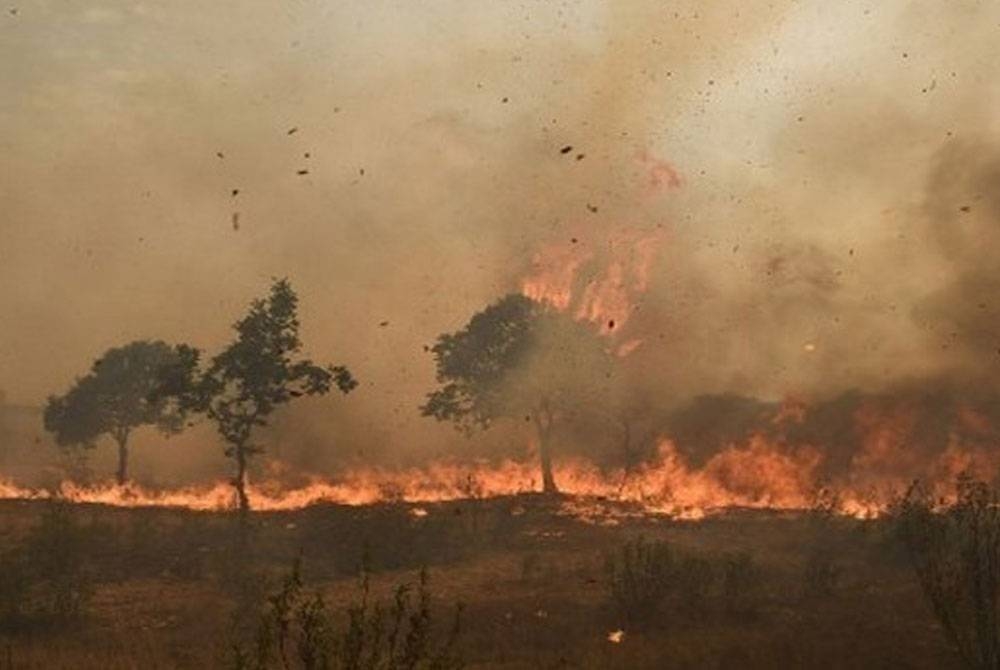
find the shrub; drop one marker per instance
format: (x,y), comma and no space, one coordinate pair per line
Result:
(822,570)
(645,578)
(955,551)
(640,576)
(296,630)
(44,579)
(56,550)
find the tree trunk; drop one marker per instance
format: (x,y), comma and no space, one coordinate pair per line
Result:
(627,451)
(122,440)
(240,481)
(543,426)
(548,480)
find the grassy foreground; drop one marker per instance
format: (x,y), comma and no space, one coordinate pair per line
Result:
(162,588)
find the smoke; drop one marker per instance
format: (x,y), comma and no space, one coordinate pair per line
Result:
(828,229)
(962,211)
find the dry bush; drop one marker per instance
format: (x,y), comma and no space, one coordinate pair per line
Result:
(45,580)
(296,630)
(641,575)
(822,569)
(820,574)
(955,551)
(648,578)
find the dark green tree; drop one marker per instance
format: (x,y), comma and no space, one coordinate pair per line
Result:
(114,399)
(519,360)
(258,372)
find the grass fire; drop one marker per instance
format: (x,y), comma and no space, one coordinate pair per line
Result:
(408,336)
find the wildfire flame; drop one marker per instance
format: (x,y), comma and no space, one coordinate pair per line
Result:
(761,472)
(599,288)
(600,281)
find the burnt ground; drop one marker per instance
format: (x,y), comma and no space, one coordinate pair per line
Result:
(167,585)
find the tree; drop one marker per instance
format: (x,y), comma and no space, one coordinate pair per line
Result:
(258,372)
(114,399)
(518,359)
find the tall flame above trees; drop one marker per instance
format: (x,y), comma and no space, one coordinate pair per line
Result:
(520,360)
(259,371)
(114,399)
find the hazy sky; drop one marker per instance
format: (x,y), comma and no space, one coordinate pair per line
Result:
(820,146)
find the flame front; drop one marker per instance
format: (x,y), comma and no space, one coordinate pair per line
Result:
(763,471)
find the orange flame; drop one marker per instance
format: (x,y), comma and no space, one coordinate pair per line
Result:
(602,289)
(596,285)
(753,475)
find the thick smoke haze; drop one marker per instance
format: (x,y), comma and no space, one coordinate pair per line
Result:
(832,228)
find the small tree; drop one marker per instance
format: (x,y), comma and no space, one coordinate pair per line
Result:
(518,360)
(114,399)
(253,376)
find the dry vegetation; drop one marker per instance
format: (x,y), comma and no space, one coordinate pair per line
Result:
(156,588)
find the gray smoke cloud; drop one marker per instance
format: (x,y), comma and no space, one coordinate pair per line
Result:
(403,165)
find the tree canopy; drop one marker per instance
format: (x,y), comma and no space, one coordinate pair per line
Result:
(518,359)
(258,372)
(115,398)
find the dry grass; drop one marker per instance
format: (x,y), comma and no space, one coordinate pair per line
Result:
(165,587)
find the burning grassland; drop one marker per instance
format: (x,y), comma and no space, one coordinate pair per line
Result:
(780,462)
